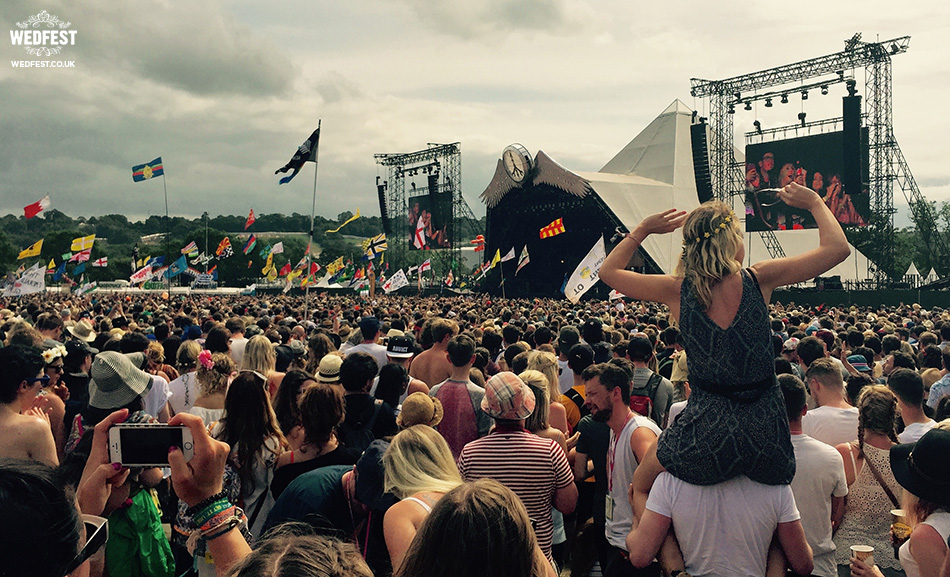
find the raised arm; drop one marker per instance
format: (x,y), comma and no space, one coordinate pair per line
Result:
(832,245)
(657,288)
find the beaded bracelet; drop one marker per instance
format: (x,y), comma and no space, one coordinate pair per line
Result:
(191,511)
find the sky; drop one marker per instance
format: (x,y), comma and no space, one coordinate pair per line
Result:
(225,90)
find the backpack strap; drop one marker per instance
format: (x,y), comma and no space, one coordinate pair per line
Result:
(377,405)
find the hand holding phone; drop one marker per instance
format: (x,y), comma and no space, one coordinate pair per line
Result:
(147,445)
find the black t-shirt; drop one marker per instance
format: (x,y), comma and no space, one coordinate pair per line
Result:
(284,475)
(360,408)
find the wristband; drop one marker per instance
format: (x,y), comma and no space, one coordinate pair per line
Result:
(203,516)
(217,496)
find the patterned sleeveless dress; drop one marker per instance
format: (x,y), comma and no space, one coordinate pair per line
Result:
(734,423)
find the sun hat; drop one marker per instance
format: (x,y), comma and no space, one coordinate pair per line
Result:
(82,331)
(923,468)
(420,409)
(395,333)
(790,344)
(400,348)
(329,369)
(859,363)
(115,381)
(507,397)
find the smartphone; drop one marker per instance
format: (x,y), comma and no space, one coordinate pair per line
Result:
(145,445)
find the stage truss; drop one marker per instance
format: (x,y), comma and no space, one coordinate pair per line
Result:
(444,163)
(887,163)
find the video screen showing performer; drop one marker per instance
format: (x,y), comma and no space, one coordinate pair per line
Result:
(430,221)
(814,161)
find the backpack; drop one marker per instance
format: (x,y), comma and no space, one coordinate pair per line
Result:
(578,400)
(356,434)
(641,399)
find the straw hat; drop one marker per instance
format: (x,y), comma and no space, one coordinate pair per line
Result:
(82,331)
(420,409)
(329,369)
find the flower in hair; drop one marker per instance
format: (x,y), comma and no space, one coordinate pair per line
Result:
(204,357)
(53,353)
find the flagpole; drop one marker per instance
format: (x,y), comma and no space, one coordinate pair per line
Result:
(313,210)
(502,269)
(167,233)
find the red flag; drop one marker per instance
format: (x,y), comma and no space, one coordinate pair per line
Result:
(250,220)
(285,270)
(553,229)
(314,268)
(81,256)
(427,265)
(37,207)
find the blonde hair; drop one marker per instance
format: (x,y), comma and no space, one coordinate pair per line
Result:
(259,355)
(215,379)
(546,363)
(418,459)
(711,241)
(155,353)
(538,383)
(187,355)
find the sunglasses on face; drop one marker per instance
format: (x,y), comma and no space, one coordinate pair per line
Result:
(41,380)
(96,537)
(56,368)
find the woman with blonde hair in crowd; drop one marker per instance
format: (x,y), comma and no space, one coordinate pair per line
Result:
(498,537)
(260,356)
(419,470)
(736,414)
(184,389)
(546,363)
(213,376)
(872,489)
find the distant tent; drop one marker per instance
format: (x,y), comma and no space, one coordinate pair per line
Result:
(912,276)
(931,276)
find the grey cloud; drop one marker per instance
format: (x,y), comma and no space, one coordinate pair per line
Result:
(490,18)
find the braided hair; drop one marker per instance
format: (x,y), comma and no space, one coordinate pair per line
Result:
(877,412)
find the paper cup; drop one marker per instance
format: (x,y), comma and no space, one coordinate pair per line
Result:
(863,553)
(897,516)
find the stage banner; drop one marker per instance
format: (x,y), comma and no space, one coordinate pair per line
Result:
(587,272)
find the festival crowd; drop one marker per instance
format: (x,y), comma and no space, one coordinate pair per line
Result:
(472,435)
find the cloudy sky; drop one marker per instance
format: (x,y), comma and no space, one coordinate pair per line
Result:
(225,90)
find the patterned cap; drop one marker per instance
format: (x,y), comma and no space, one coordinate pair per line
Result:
(507,397)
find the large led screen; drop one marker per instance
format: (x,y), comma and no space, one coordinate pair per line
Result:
(817,162)
(430,221)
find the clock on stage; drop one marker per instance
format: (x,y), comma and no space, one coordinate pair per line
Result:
(518,163)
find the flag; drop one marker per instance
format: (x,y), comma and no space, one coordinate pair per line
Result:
(177,267)
(523,259)
(192,272)
(265,252)
(148,170)
(614,295)
(101,262)
(81,256)
(66,256)
(278,248)
(449,279)
(141,275)
(346,222)
(85,288)
(479,242)
(60,271)
(158,273)
(427,265)
(19,270)
(268,265)
(412,270)
(305,152)
(37,207)
(250,220)
(81,268)
(83,243)
(553,229)
(191,249)
(496,259)
(419,238)
(156,261)
(32,281)
(51,266)
(396,282)
(214,271)
(375,245)
(224,249)
(33,250)
(285,270)
(509,256)
(587,272)
(250,244)
(334,266)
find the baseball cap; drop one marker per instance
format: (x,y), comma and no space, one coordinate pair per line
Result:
(400,347)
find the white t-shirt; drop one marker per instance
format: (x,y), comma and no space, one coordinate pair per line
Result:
(378,352)
(237,350)
(723,530)
(819,475)
(184,391)
(831,425)
(566,378)
(157,396)
(915,431)
(675,410)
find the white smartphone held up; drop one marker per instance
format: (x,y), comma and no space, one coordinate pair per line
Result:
(145,445)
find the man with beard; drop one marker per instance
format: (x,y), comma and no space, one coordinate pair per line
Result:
(607,387)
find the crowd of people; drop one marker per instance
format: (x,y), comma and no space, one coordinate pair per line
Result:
(481,436)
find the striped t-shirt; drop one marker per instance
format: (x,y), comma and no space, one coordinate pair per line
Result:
(532,467)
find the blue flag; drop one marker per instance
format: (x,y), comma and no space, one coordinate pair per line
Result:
(306,152)
(148,170)
(177,267)
(60,271)
(79,269)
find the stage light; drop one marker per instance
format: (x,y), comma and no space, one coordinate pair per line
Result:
(768,103)
(824,90)
(894,48)
(732,108)
(852,87)
(801,116)
(748,105)
(758,126)
(695,114)
(738,95)
(785,99)
(804,95)
(703,119)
